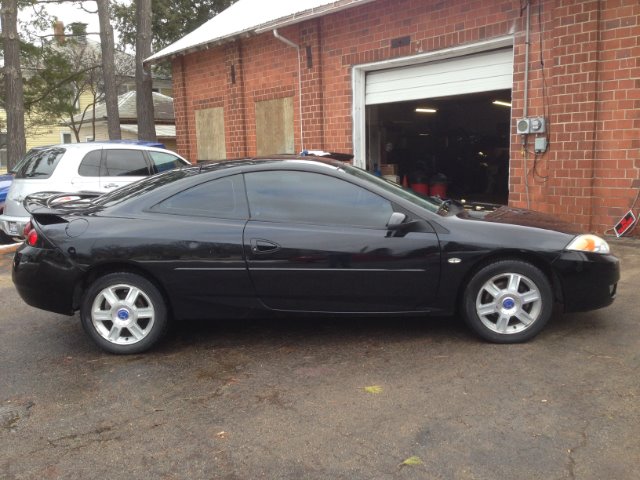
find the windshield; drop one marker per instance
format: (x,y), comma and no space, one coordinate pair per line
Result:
(143,186)
(38,163)
(430,203)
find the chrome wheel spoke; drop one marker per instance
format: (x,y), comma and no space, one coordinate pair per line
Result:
(502,324)
(530,296)
(524,318)
(109,295)
(114,333)
(136,331)
(514,282)
(145,312)
(492,289)
(101,315)
(132,296)
(487,309)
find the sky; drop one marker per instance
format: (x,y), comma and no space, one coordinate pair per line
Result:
(69,13)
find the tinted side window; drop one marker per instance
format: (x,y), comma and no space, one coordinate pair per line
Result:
(165,161)
(124,163)
(90,165)
(221,198)
(39,163)
(303,197)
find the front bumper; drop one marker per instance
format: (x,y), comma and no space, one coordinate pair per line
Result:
(13,226)
(45,279)
(589,280)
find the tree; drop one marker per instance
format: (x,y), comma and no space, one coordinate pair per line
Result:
(144,93)
(14,103)
(108,70)
(170,20)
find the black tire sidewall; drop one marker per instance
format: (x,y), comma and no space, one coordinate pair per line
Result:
(507,266)
(160,312)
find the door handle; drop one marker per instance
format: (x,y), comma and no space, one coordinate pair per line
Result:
(111,185)
(261,246)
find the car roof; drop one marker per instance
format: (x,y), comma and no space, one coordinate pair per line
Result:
(274,161)
(107,145)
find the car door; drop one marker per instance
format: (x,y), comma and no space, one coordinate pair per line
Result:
(315,242)
(121,167)
(199,232)
(87,176)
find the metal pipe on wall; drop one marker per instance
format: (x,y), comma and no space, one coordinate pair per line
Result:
(297,47)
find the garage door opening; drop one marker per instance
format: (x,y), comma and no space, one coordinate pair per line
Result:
(458,146)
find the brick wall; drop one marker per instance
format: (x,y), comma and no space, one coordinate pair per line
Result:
(584,77)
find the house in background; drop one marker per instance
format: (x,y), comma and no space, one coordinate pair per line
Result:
(427,87)
(54,131)
(97,130)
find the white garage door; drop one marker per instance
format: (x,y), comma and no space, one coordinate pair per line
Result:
(481,72)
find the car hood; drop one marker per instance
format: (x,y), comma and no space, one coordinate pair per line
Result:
(518,216)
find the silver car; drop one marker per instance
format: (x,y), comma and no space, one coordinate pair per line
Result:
(80,167)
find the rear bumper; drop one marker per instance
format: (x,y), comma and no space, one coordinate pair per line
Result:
(45,279)
(13,226)
(589,280)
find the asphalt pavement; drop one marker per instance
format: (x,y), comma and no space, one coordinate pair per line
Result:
(324,398)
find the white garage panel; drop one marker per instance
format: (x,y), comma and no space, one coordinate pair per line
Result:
(481,72)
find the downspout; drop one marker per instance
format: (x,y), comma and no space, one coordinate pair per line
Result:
(525,110)
(297,47)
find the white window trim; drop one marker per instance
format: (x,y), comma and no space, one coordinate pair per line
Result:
(358,83)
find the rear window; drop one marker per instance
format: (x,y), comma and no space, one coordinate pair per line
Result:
(143,186)
(39,163)
(124,163)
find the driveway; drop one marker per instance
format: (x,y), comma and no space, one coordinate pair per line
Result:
(324,398)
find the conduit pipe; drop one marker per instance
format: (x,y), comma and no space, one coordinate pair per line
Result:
(525,110)
(297,47)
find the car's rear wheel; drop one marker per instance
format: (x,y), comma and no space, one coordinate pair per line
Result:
(124,313)
(508,301)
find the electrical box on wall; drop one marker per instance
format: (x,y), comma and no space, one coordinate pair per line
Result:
(540,145)
(528,125)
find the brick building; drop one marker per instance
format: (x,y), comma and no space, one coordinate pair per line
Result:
(414,83)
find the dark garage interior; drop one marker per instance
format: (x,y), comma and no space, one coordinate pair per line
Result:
(455,147)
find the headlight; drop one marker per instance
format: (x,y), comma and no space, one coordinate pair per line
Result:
(589,243)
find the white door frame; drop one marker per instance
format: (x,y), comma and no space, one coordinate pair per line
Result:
(358,83)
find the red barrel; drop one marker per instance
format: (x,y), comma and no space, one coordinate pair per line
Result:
(421,188)
(438,189)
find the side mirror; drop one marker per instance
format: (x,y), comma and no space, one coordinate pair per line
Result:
(396,220)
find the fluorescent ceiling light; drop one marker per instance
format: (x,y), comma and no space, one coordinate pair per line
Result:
(426,110)
(500,102)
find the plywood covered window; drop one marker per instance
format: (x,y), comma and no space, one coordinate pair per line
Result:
(210,134)
(274,126)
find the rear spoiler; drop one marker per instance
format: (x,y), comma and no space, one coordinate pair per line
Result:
(47,202)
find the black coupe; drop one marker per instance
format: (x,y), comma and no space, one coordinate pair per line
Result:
(299,235)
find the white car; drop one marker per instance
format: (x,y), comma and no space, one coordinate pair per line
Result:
(80,167)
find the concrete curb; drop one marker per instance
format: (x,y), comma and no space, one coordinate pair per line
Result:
(9,248)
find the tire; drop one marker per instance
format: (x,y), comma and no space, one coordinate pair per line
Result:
(509,301)
(124,313)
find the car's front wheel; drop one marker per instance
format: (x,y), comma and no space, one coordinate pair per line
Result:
(508,301)
(124,313)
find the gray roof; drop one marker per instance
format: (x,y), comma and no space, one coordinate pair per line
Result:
(163,109)
(162,131)
(250,17)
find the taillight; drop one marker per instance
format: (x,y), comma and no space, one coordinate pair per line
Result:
(32,237)
(27,228)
